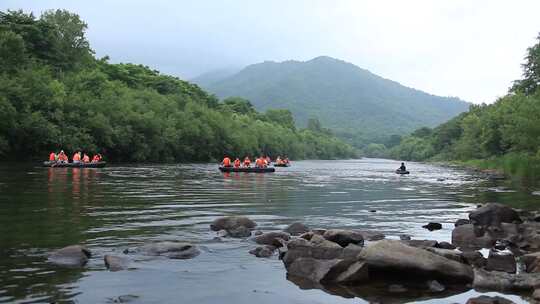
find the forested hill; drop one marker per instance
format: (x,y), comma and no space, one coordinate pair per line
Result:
(54,94)
(342,96)
(503,135)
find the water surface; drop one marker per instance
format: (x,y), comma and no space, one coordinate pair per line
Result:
(121,207)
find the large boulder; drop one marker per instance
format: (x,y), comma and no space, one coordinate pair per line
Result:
(296,228)
(469,236)
(503,281)
(173,250)
(344,237)
(398,258)
(232,222)
(493,214)
(531,262)
(274,238)
(71,256)
(501,261)
(116,263)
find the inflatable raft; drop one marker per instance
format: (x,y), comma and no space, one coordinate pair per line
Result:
(281,165)
(402,172)
(249,170)
(74,165)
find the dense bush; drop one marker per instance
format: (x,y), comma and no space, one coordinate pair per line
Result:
(55,95)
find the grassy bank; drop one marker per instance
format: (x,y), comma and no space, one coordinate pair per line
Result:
(518,166)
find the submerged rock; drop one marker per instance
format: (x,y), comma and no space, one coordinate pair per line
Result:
(239,232)
(396,257)
(116,263)
(273,238)
(431,226)
(489,300)
(173,250)
(265,251)
(296,228)
(73,256)
(232,222)
(344,237)
(493,214)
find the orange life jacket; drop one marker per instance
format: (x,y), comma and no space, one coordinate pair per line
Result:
(237,163)
(86,159)
(247,162)
(95,159)
(259,162)
(52,156)
(226,162)
(62,157)
(76,157)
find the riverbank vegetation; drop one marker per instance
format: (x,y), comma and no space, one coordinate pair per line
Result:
(504,135)
(54,94)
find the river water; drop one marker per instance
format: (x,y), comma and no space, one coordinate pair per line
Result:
(119,207)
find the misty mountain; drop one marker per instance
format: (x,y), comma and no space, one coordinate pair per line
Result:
(352,101)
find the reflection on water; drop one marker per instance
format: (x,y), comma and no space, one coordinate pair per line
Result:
(114,208)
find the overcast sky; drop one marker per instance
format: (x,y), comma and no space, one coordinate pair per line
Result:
(464,48)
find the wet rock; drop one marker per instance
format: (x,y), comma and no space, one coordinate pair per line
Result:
(344,237)
(421,243)
(355,272)
(396,288)
(318,231)
(431,226)
(232,222)
(531,262)
(445,245)
(371,235)
(351,251)
(258,232)
(435,286)
(441,179)
(373,210)
(318,248)
(489,300)
(529,236)
(71,256)
(493,214)
(467,236)
(395,257)
(503,281)
(263,251)
(296,228)
(474,258)
(239,232)
(273,238)
(116,263)
(447,253)
(536,294)
(462,222)
(501,261)
(173,250)
(123,299)
(405,237)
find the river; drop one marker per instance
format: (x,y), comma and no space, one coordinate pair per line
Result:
(124,206)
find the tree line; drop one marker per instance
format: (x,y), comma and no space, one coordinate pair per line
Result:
(55,94)
(505,134)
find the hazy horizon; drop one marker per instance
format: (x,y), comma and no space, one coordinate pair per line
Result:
(469,50)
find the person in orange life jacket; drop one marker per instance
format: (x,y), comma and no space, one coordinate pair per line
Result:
(77,157)
(62,157)
(86,158)
(96,158)
(247,162)
(52,156)
(226,162)
(237,163)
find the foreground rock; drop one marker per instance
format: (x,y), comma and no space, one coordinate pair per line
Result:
(531,262)
(71,256)
(116,263)
(489,300)
(493,214)
(469,236)
(274,238)
(296,228)
(502,281)
(501,261)
(344,237)
(396,257)
(232,222)
(173,250)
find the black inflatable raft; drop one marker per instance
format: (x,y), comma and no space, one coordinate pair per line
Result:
(74,165)
(252,169)
(281,165)
(402,172)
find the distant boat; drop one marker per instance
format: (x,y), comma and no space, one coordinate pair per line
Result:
(54,164)
(402,172)
(249,170)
